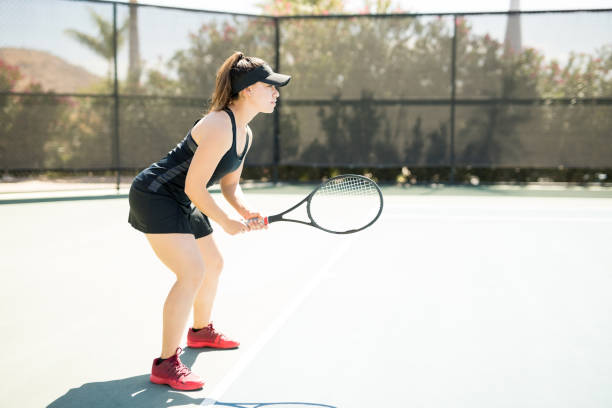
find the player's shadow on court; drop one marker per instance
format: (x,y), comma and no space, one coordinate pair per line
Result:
(139,392)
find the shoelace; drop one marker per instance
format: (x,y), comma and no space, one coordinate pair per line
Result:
(214,333)
(181,369)
(178,367)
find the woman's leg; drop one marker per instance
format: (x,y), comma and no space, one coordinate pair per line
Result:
(180,253)
(205,297)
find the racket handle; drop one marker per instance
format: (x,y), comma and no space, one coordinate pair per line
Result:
(265,221)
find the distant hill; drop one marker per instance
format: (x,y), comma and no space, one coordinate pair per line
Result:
(48,70)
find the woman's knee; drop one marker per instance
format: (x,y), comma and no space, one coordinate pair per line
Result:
(194,276)
(213,260)
(214,265)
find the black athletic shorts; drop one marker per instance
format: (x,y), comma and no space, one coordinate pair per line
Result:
(158,213)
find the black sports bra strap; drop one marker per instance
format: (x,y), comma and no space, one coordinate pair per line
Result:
(231,115)
(248,139)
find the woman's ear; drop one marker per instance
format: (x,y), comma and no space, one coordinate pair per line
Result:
(246,92)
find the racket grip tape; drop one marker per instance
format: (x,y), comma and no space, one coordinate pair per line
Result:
(264,222)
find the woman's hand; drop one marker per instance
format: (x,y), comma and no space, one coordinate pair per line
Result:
(234,227)
(254,220)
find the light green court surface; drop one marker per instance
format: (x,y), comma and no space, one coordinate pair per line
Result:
(450,300)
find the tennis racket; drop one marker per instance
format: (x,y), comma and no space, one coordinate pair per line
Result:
(342,205)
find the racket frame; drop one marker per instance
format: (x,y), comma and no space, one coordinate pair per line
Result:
(308,198)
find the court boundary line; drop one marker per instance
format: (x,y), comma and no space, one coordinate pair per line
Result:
(35,200)
(252,352)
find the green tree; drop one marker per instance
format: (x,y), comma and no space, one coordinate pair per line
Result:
(213,42)
(29,121)
(369,59)
(490,134)
(357,66)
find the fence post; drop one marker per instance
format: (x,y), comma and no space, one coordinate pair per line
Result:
(453,101)
(115,143)
(276,130)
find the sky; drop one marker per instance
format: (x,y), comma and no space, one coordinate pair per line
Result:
(417,6)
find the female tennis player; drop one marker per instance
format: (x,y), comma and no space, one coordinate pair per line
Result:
(170,203)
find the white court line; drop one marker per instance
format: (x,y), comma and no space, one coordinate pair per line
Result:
(495,218)
(276,325)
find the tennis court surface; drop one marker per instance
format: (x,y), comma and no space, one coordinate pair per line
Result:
(473,298)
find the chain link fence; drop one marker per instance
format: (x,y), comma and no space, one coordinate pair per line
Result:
(102,86)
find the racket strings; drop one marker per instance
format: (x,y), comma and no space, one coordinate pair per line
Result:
(349,187)
(346,203)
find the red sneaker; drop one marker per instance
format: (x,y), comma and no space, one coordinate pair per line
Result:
(174,373)
(209,337)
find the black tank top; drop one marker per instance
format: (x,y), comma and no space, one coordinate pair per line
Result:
(167,176)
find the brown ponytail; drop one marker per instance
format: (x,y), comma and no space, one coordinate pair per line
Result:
(235,64)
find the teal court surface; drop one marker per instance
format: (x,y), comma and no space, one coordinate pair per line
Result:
(456,297)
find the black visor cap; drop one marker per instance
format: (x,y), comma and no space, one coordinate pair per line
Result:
(262,73)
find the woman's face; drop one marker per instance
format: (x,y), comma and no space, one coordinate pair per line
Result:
(264,96)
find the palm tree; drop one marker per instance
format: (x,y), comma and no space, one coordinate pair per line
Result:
(102,43)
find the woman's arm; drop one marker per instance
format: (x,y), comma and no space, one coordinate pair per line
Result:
(214,137)
(230,187)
